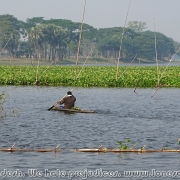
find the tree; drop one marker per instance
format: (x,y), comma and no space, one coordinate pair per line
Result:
(137,26)
(88,34)
(72,48)
(145,46)
(141,44)
(49,35)
(32,22)
(109,40)
(177,47)
(57,38)
(35,36)
(10,33)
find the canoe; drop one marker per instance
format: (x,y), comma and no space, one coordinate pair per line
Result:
(73,110)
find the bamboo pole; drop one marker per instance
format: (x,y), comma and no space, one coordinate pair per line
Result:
(12,149)
(45,70)
(169,64)
(164,72)
(156,52)
(93,150)
(84,64)
(37,69)
(30,150)
(127,150)
(119,54)
(79,43)
(136,85)
(128,66)
(5,45)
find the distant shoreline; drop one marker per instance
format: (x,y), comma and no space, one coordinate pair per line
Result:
(89,62)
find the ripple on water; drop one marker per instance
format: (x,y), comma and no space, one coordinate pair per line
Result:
(152,123)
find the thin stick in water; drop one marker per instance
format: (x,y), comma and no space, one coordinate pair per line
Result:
(80,36)
(165,70)
(156,51)
(119,55)
(84,64)
(136,85)
(128,65)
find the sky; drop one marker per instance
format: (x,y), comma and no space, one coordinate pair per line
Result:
(159,15)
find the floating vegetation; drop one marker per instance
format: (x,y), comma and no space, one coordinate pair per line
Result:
(91,76)
(125,145)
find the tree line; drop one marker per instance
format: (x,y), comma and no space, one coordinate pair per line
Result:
(58,39)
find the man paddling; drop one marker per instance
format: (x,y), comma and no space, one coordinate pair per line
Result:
(68,101)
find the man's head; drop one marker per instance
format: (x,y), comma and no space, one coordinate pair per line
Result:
(69,93)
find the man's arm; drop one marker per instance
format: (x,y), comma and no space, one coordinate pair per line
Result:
(62,101)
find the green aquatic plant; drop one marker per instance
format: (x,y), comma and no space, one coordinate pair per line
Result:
(75,108)
(179,141)
(125,145)
(91,76)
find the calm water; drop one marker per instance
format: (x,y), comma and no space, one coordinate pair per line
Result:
(121,114)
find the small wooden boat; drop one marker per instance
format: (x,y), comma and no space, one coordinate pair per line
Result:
(73,110)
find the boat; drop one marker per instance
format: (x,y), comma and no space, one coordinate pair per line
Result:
(73,110)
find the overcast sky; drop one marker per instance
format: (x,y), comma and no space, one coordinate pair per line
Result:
(102,13)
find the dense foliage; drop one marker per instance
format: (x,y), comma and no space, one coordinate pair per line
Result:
(55,39)
(90,76)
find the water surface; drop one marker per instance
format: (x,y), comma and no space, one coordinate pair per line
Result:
(121,114)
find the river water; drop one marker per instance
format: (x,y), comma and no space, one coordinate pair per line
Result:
(152,123)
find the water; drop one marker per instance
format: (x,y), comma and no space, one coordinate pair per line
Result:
(166,63)
(121,114)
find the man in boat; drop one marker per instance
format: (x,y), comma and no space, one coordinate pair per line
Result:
(68,101)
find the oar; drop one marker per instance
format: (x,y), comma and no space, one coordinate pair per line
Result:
(58,101)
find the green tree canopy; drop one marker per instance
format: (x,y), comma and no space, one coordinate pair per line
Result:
(10,32)
(137,26)
(141,44)
(60,37)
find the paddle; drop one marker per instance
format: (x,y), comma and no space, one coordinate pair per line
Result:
(59,100)
(51,107)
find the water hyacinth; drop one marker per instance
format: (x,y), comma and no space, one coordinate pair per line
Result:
(90,76)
